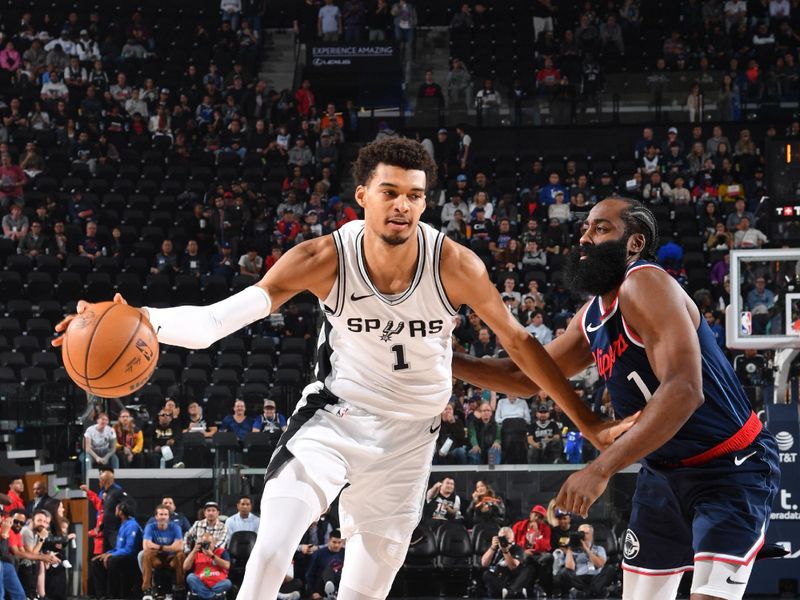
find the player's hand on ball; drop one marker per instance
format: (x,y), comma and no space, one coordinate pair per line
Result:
(82,306)
(580,491)
(605,432)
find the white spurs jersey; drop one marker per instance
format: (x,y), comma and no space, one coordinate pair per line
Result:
(387,355)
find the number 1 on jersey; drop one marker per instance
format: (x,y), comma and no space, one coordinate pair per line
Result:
(637,379)
(399,357)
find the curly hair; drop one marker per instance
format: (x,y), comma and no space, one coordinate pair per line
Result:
(397,152)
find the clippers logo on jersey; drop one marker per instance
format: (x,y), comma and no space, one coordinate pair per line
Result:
(416,328)
(606,357)
(388,332)
(631,545)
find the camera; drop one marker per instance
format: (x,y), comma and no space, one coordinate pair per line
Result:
(576,540)
(504,543)
(205,545)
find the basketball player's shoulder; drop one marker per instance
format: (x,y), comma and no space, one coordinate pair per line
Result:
(647,280)
(314,256)
(460,261)
(462,272)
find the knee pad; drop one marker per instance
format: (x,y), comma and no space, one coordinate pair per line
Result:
(370,566)
(721,579)
(636,586)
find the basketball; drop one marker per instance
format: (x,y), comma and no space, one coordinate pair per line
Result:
(110,349)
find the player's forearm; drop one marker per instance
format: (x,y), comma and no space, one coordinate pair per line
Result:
(200,326)
(538,365)
(666,412)
(498,374)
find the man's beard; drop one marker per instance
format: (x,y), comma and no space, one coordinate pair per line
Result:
(395,240)
(601,271)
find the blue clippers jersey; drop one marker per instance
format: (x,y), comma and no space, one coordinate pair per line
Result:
(623,364)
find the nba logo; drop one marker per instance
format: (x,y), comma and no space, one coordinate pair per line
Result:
(746,323)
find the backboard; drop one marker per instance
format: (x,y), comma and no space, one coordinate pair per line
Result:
(764,311)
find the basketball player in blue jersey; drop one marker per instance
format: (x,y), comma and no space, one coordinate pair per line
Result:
(388,287)
(709,471)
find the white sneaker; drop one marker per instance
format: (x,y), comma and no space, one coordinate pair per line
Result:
(66,564)
(330,590)
(148,596)
(289,596)
(167,596)
(178,465)
(505,593)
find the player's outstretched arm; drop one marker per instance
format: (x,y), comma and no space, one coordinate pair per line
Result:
(308,266)
(674,354)
(570,352)
(467,282)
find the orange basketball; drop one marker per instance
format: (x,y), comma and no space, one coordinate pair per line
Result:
(110,350)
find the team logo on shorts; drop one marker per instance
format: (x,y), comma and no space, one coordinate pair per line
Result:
(631,545)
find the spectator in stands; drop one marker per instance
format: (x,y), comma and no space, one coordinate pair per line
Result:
(238,422)
(16,488)
(9,580)
(327,154)
(251,264)
(512,407)
(533,536)
(165,440)
(329,22)
(111,571)
(656,190)
(502,562)
(487,102)
(90,245)
(325,568)
(270,419)
(484,345)
(15,224)
(244,519)
(353,12)
(209,563)
(162,548)
(193,262)
(209,524)
(485,438)
(130,440)
(561,528)
(442,502)
(543,11)
(538,329)
(12,181)
(585,565)
(33,559)
(100,444)
(547,195)
(54,90)
(197,423)
(81,210)
(174,516)
(544,438)
(40,497)
(452,443)
(107,522)
(746,236)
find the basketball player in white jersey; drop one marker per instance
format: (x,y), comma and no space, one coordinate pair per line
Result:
(389,288)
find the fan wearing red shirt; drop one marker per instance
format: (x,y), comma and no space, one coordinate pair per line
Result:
(15,490)
(533,536)
(548,77)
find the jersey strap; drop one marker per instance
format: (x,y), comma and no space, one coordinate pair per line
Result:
(738,441)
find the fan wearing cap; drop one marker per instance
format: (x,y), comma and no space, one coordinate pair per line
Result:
(533,536)
(544,438)
(210,524)
(270,419)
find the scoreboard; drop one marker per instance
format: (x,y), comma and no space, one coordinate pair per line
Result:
(783,184)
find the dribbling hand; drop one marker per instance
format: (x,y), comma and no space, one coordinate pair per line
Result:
(580,491)
(82,306)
